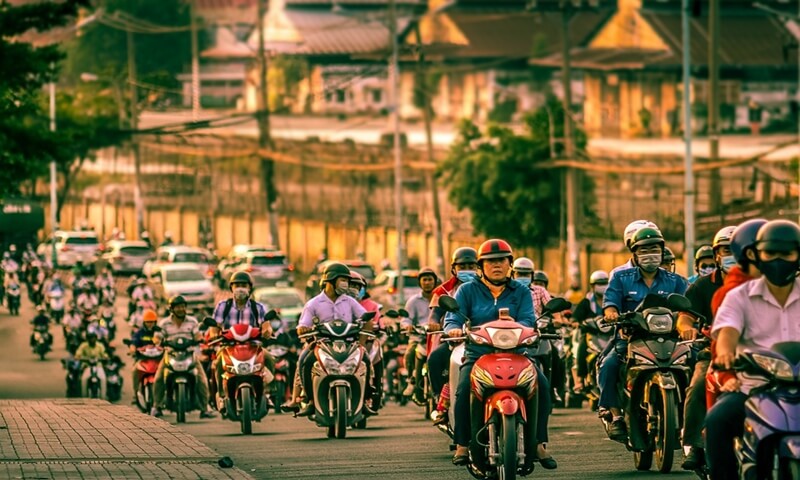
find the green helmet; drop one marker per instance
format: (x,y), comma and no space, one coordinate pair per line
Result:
(335,270)
(647,236)
(241,277)
(176,300)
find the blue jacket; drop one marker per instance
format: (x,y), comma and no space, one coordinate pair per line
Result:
(627,289)
(480,306)
(143,337)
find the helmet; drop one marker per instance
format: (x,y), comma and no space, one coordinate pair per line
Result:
(241,277)
(646,236)
(778,236)
(706,251)
(356,277)
(540,276)
(149,315)
(464,255)
(723,237)
(91,333)
(335,270)
(176,300)
(40,308)
(495,248)
(523,265)
(744,237)
(633,227)
(427,271)
(668,255)
(598,277)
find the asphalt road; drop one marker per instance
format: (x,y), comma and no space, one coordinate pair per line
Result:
(398,444)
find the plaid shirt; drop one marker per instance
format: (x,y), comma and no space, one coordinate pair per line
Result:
(540,297)
(236,316)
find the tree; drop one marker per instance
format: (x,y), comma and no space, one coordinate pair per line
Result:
(494,174)
(26,144)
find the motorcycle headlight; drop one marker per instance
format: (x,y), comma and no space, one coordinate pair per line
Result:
(659,323)
(180,365)
(504,338)
(243,368)
(780,369)
(348,367)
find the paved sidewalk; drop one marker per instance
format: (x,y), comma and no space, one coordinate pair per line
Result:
(83,439)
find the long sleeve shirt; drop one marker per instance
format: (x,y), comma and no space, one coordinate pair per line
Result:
(345,308)
(627,288)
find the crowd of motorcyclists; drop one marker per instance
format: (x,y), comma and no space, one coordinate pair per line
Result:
(656,354)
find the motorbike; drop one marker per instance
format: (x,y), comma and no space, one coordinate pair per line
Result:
(243,395)
(180,378)
(42,341)
(74,370)
(281,386)
(56,305)
(656,372)
(13,293)
(770,445)
(113,378)
(503,394)
(339,375)
(73,337)
(107,321)
(148,358)
(598,336)
(94,380)
(394,350)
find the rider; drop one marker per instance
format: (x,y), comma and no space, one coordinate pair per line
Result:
(668,262)
(358,286)
(479,301)
(540,279)
(704,263)
(523,271)
(627,239)
(237,310)
(167,239)
(700,294)
(178,324)
(626,289)
(759,314)
(40,320)
(332,303)
(463,268)
(143,337)
(418,308)
(91,349)
(590,307)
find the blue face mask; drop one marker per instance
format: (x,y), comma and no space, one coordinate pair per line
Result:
(361,293)
(727,263)
(465,276)
(525,281)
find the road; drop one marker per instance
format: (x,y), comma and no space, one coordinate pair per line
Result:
(398,444)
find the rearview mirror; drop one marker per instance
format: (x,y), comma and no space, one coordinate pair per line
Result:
(448,303)
(391,313)
(368,316)
(271,315)
(209,322)
(557,305)
(678,303)
(403,313)
(126,341)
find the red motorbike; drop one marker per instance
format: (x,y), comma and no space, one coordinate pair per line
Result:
(244,377)
(147,359)
(503,403)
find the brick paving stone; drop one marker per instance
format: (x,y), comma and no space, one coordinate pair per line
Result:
(87,439)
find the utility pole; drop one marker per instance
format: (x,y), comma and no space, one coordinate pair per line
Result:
(574,269)
(427,114)
(195,62)
(134,124)
(264,138)
(688,173)
(713,103)
(53,177)
(394,78)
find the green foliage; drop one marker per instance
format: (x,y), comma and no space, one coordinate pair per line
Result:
(285,76)
(494,175)
(504,110)
(426,85)
(26,144)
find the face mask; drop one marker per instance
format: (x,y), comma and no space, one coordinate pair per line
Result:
(362,292)
(525,281)
(727,263)
(240,293)
(352,292)
(600,289)
(341,288)
(779,272)
(706,271)
(649,262)
(465,276)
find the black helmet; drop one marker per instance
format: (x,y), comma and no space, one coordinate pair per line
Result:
(778,236)
(464,255)
(744,238)
(668,255)
(705,251)
(647,236)
(241,277)
(335,270)
(540,276)
(427,271)
(176,300)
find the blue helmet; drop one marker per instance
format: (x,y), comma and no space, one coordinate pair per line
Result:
(744,238)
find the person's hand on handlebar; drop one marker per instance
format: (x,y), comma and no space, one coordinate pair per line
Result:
(611,314)
(301,330)
(455,332)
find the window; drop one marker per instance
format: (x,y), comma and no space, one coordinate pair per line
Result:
(82,241)
(190,257)
(408,281)
(340,96)
(377,96)
(281,300)
(274,260)
(187,275)
(135,251)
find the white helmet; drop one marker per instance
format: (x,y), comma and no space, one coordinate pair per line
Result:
(598,276)
(523,265)
(634,227)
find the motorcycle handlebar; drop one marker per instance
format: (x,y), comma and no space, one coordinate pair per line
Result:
(550,336)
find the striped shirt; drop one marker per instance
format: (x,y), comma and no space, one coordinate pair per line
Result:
(236,316)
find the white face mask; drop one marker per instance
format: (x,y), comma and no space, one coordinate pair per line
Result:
(600,289)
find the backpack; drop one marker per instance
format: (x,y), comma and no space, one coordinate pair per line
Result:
(229,305)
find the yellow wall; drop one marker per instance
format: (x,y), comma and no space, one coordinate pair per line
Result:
(627,29)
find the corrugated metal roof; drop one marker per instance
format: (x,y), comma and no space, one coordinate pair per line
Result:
(345,3)
(609,59)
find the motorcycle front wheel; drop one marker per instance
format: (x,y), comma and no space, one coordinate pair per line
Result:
(340,416)
(667,437)
(181,399)
(246,414)
(507,446)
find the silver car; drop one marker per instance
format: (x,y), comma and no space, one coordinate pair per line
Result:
(267,269)
(126,256)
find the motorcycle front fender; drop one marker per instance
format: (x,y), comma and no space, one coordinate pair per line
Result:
(505,402)
(665,380)
(789,447)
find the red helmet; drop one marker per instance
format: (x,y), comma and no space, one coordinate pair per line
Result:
(495,248)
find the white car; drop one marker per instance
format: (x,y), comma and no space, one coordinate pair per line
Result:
(72,246)
(183,279)
(199,257)
(287,301)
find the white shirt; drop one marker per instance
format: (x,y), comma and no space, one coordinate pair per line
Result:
(345,308)
(752,310)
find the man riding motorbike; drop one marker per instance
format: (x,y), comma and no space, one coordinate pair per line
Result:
(143,337)
(91,349)
(590,307)
(178,324)
(626,290)
(480,301)
(40,320)
(758,314)
(627,239)
(418,308)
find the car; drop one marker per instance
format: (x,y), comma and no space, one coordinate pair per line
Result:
(385,290)
(126,256)
(287,301)
(181,254)
(365,269)
(184,279)
(267,268)
(228,264)
(71,246)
